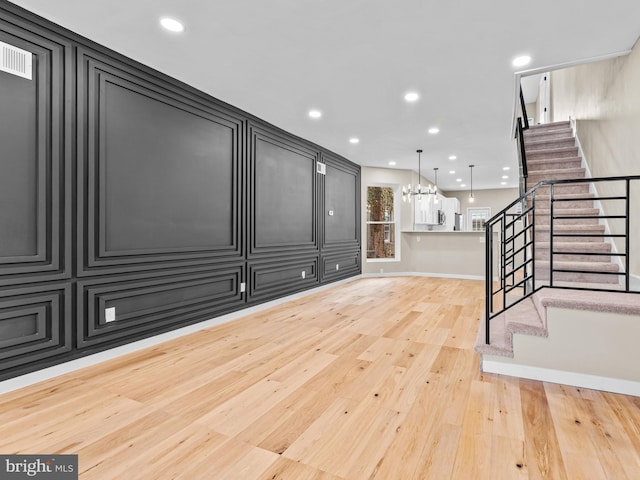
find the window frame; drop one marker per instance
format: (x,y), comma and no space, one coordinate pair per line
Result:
(396,223)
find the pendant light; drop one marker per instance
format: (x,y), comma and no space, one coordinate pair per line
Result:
(408,191)
(471,199)
(435,186)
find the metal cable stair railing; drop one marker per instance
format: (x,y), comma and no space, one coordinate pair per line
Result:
(512,273)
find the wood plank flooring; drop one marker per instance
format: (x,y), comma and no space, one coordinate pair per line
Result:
(373,379)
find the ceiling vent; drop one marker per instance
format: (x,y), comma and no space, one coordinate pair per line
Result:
(15,61)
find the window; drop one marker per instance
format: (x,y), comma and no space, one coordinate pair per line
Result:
(382,230)
(477,217)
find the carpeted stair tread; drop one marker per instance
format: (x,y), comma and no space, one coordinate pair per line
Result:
(559,173)
(546,144)
(522,318)
(591,267)
(559,133)
(549,126)
(575,246)
(553,163)
(575,251)
(559,188)
(558,152)
(567,212)
(613,302)
(577,285)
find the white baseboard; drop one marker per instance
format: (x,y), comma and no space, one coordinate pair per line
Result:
(423,274)
(607,384)
(73,365)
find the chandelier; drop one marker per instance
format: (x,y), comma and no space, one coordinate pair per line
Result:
(408,191)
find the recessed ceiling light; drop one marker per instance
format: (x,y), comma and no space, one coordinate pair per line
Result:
(434,130)
(452,171)
(452,157)
(503,183)
(315,113)
(171,24)
(506,168)
(411,97)
(463,184)
(521,61)
(505,177)
(392,163)
(458,179)
(354,140)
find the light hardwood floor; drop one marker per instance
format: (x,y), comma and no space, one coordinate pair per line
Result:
(375,378)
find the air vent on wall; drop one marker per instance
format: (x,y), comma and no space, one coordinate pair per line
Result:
(15,61)
(321,168)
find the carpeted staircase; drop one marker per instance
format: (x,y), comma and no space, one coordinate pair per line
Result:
(553,155)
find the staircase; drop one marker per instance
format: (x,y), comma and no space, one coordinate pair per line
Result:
(553,155)
(555,235)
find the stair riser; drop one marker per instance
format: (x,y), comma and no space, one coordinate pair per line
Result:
(544,220)
(549,144)
(544,237)
(562,257)
(555,164)
(543,274)
(563,206)
(542,154)
(543,175)
(549,135)
(545,127)
(560,189)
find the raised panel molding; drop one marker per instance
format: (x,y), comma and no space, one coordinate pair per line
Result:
(159,175)
(268,279)
(35,163)
(340,215)
(35,324)
(113,238)
(282,194)
(143,305)
(340,265)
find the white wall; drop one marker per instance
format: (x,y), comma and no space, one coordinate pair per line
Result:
(604,98)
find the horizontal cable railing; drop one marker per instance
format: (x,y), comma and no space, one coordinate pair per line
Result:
(514,272)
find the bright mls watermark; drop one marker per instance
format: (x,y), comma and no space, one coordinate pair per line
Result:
(51,467)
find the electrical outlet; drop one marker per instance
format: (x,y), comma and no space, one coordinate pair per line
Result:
(243,287)
(110,314)
(482,240)
(304,274)
(418,239)
(337,266)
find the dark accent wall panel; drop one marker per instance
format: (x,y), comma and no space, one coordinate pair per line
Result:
(35,324)
(282,204)
(132,204)
(148,304)
(269,280)
(34,166)
(160,175)
(340,265)
(341,204)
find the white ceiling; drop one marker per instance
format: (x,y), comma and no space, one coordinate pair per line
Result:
(355,59)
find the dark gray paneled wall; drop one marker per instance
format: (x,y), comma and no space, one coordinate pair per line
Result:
(132,204)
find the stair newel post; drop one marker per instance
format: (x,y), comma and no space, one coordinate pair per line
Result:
(488,271)
(551,201)
(627,260)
